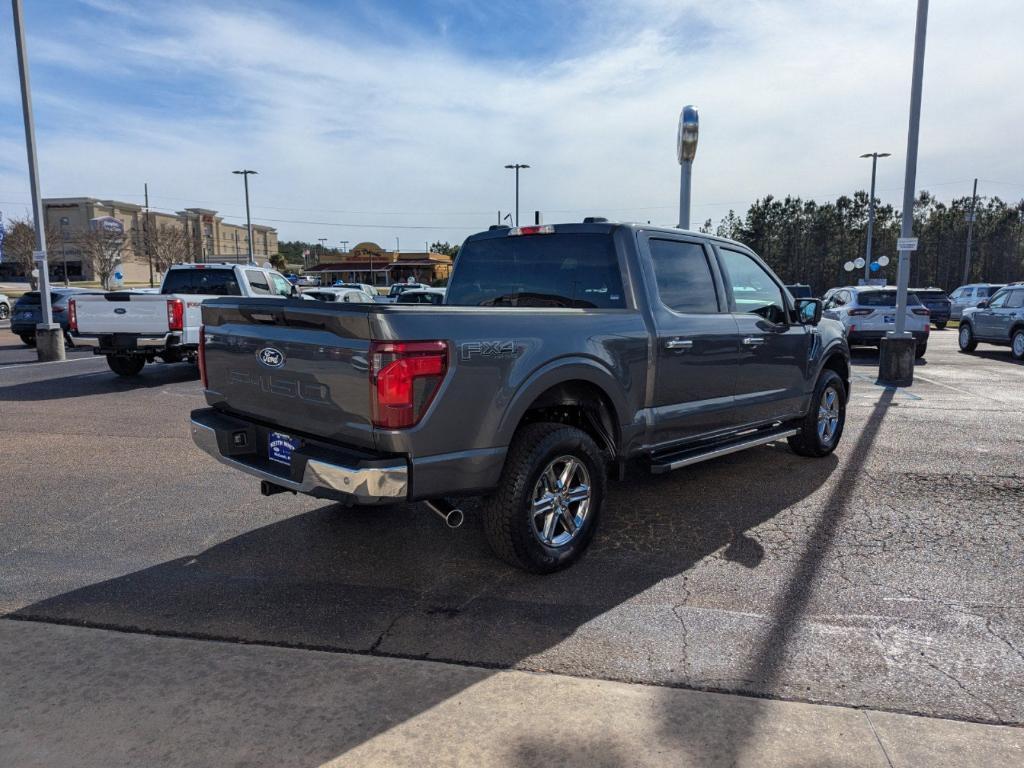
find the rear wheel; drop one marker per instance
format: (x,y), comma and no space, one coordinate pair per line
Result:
(1017,344)
(545,510)
(921,349)
(28,339)
(125,365)
(966,338)
(941,325)
(822,426)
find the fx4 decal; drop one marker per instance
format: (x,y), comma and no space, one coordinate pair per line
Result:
(490,350)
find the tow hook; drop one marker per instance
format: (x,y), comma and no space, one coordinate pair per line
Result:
(452,516)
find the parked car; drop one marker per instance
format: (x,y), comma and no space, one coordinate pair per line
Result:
(422,296)
(938,304)
(969,295)
(28,313)
(307,280)
(561,351)
(132,328)
(800,291)
(868,312)
(999,320)
(399,288)
(364,287)
(5,306)
(345,295)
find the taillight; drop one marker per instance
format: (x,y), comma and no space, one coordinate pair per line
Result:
(921,311)
(857,312)
(543,229)
(202,356)
(404,377)
(175,315)
(72,316)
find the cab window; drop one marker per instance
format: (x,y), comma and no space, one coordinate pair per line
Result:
(683,277)
(258,282)
(281,286)
(753,289)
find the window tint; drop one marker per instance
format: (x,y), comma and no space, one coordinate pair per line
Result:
(753,289)
(258,282)
(1016,300)
(930,294)
(883,299)
(555,270)
(205,282)
(999,300)
(988,290)
(281,286)
(684,277)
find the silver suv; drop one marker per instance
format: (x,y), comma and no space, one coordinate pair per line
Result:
(999,320)
(969,295)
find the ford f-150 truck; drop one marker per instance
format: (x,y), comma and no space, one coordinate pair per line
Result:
(561,353)
(132,328)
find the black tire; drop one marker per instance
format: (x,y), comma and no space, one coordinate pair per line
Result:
(965,338)
(941,326)
(1017,344)
(509,522)
(125,365)
(28,339)
(809,441)
(919,352)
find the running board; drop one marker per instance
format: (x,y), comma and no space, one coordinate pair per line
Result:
(697,455)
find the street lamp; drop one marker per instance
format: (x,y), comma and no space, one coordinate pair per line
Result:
(871,210)
(248,219)
(516,167)
(686,151)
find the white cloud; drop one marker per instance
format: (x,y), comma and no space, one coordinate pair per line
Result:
(790,94)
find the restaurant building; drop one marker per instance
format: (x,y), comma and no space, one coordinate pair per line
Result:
(369,263)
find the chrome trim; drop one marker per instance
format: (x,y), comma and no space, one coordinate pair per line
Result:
(753,341)
(679,344)
(364,483)
(725,450)
(142,343)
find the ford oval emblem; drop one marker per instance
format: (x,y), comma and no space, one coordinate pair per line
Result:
(120,311)
(270,357)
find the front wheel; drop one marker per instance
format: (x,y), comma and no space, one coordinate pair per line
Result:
(822,426)
(5,312)
(966,338)
(545,510)
(28,339)
(125,365)
(920,350)
(1017,344)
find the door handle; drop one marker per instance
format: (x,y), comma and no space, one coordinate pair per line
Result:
(753,341)
(678,344)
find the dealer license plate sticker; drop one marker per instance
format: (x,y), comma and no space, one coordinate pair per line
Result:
(889,319)
(280,447)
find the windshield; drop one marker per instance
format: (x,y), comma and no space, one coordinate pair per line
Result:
(205,282)
(556,270)
(883,299)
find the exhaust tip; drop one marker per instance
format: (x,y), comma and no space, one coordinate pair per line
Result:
(454,518)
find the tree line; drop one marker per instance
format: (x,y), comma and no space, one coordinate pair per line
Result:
(809,242)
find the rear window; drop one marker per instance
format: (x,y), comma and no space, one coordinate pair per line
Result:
(556,270)
(882,299)
(931,295)
(205,282)
(33,299)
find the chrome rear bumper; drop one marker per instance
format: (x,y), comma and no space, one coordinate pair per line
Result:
(368,482)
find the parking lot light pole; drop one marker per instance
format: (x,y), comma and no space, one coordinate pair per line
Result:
(517,166)
(686,151)
(244,173)
(49,336)
(896,361)
(871,212)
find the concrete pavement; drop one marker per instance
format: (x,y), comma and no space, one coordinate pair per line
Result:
(88,697)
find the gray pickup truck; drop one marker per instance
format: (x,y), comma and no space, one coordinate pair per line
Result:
(561,353)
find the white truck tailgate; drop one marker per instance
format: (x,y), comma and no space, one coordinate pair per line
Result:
(122,312)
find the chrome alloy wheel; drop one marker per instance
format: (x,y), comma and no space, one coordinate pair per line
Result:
(828,415)
(1018,344)
(965,335)
(561,501)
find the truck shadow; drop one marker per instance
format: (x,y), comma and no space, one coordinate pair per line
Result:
(99,383)
(393,581)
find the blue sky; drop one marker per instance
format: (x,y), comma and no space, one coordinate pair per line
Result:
(377,120)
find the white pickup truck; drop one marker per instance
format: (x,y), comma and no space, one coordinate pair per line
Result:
(135,328)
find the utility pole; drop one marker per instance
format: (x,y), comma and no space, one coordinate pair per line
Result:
(686,151)
(516,167)
(344,246)
(871,213)
(970,234)
(244,173)
(49,337)
(321,257)
(898,347)
(145,233)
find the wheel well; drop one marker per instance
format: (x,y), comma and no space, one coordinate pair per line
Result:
(582,405)
(1017,327)
(838,363)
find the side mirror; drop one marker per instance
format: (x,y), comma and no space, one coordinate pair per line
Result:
(808,311)
(983,304)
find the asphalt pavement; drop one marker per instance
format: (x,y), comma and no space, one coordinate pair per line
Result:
(888,576)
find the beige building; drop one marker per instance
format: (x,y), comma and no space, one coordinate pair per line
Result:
(205,236)
(369,263)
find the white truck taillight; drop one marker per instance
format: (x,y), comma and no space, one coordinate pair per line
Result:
(175,315)
(404,377)
(72,316)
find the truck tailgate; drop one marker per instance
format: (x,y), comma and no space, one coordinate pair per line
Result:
(300,366)
(121,312)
